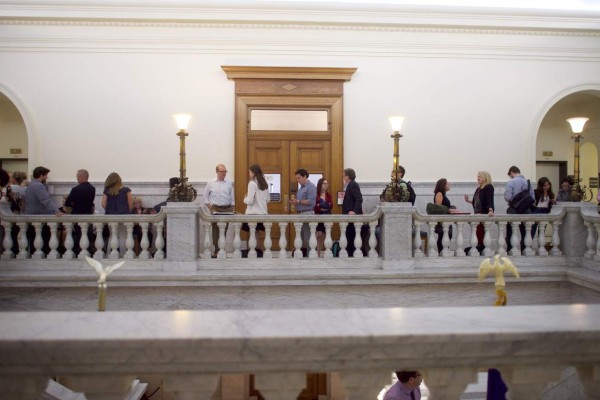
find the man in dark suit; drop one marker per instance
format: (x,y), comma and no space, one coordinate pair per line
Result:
(81,201)
(352,205)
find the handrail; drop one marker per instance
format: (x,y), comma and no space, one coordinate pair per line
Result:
(555,215)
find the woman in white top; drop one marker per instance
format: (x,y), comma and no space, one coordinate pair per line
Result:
(256,200)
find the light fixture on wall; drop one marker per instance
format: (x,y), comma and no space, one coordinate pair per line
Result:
(183,191)
(393,193)
(578,193)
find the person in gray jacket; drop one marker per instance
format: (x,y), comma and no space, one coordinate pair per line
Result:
(514,186)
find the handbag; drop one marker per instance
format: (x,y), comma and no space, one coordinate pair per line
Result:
(523,200)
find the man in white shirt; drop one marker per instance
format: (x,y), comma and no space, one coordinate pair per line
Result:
(218,197)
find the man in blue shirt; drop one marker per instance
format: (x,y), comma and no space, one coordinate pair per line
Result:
(305,201)
(514,186)
(406,388)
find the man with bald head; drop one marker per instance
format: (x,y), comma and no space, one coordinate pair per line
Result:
(218,197)
(81,199)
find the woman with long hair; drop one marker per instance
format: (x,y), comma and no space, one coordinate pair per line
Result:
(256,200)
(439,197)
(483,203)
(323,205)
(116,200)
(544,196)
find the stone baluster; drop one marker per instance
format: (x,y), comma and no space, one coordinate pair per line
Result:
(528,382)
(192,386)
(298,240)
(448,383)
(541,251)
(99,244)
(343,240)
(556,239)
(268,240)
(373,240)
(237,241)
(365,384)
(84,241)
(7,243)
(22,240)
(100,387)
(515,239)
(207,240)
(474,242)
(280,385)
(53,242)
(252,240)
(144,242)
(417,241)
(432,251)
(159,242)
(129,253)
(17,387)
(38,242)
(312,243)
(528,251)
(282,240)
(590,241)
(358,241)
(460,251)
(69,254)
(328,241)
(222,230)
(114,240)
(501,238)
(589,376)
(487,239)
(446,240)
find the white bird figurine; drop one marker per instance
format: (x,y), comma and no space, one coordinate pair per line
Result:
(486,267)
(103,272)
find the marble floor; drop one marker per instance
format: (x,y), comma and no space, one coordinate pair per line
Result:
(291,297)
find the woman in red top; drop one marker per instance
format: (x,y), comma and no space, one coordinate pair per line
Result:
(323,205)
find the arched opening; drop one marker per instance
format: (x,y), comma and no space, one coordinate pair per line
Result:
(14,152)
(555,149)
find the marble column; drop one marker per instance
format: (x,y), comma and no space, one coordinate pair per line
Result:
(396,235)
(182,236)
(101,386)
(448,383)
(192,386)
(366,384)
(280,385)
(527,382)
(23,387)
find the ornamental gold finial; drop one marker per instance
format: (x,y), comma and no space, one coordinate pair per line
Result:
(487,268)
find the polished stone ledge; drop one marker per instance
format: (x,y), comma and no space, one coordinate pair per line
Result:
(245,341)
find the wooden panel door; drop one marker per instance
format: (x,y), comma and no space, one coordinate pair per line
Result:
(285,157)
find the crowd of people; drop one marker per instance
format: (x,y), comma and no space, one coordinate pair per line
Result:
(33,198)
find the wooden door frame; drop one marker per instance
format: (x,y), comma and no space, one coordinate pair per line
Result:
(288,88)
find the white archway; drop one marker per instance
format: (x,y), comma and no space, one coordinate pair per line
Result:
(27,120)
(543,111)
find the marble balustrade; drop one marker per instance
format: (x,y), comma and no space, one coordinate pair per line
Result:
(100,353)
(574,228)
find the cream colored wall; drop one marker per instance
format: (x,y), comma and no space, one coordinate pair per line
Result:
(101,97)
(13,135)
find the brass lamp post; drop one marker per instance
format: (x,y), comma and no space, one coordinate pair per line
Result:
(392,193)
(183,191)
(577,125)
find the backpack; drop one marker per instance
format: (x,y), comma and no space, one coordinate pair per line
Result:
(523,200)
(412,196)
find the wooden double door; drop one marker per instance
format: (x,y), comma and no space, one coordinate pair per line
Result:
(279,160)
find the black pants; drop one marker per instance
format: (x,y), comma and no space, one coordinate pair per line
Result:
(509,230)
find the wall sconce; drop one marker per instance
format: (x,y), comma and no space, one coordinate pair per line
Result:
(183,191)
(578,193)
(393,192)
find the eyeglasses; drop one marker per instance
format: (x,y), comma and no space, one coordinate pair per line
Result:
(223,171)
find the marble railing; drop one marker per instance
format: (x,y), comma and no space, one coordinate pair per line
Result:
(391,237)
(24,236)
(283,221)
(463,228)
(194,352)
